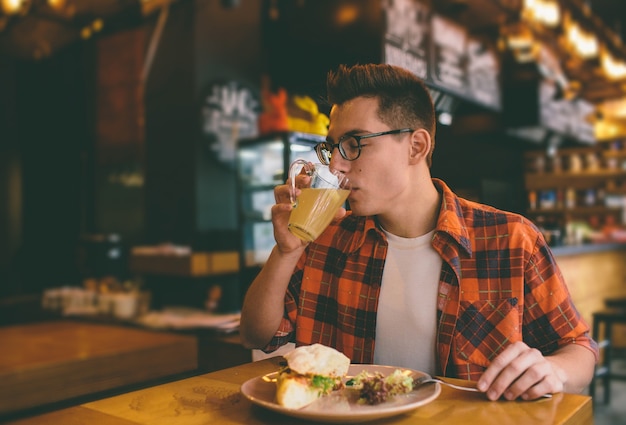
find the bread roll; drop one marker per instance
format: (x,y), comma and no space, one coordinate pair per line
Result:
(317,359)
(313,371)
(295,391)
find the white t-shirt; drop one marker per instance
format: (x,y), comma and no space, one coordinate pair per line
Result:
(406,323)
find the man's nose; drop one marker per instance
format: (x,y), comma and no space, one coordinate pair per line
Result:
(337,162)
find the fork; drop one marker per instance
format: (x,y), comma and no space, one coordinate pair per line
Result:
(428,379)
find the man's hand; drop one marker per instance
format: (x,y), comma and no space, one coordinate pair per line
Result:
(521,372)
(286,242)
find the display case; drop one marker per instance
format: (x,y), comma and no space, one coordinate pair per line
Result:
(263,163)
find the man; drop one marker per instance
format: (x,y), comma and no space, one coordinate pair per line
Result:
(414,276)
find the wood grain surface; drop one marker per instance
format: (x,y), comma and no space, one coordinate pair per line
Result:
(215,398)
(47,362)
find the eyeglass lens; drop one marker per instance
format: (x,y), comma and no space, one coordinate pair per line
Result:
(349,148)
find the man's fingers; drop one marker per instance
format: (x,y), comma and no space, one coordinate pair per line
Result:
(282,194)
(513,372)
(519,372)
(498,364)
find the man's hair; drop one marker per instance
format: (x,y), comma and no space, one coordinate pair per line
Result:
(403,99)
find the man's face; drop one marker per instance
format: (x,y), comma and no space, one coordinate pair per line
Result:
(380,175)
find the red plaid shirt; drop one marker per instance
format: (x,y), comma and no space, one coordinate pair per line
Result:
(499,284)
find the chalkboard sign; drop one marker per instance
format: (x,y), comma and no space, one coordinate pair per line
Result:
(483,70)
(229,112)
(447,55)
(567,117)
(441,52)
(407,36)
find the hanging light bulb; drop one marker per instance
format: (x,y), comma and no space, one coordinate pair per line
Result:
(57,4)
(13,7)
(97,25)
(614,68)
(546,12)
(584,43)
(86,32)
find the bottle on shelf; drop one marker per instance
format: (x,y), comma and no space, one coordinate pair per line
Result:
(532,200)
(575,163)
(570,198)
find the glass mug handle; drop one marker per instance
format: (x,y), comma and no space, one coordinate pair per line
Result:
(308,168)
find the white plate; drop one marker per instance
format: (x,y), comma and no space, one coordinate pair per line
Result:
(341,406)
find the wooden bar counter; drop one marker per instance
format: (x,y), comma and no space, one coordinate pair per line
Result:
(48,362)
(215,398)
(594,273)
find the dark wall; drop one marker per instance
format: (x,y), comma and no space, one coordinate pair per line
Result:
(228,46)
(190,193)
(169,148)
(306,39)
(50,130)
(117,159)
(483,165)
(10,177)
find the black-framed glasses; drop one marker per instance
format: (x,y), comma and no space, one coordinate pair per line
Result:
(350,145)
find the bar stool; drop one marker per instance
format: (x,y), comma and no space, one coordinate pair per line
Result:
(606,318)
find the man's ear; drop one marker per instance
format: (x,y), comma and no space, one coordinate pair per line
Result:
(420,146)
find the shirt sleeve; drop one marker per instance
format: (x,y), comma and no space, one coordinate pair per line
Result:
(551,319)
(285,331)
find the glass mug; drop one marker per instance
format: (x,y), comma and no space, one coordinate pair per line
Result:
(315,207)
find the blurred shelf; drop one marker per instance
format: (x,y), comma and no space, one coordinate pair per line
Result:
(197,264)
(578,211)
(582,180)
(614,154)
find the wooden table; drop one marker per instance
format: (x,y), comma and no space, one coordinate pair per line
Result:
(214,398)
(48,362)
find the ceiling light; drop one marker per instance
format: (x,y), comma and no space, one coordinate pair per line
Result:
(346,15)
(97,25)
(518,36)
(605,129)
(445,118)
(13,7)
(520,41)
(614,108)
(545,12)
(613,68)
(86,33)
(584,43)
(57,4)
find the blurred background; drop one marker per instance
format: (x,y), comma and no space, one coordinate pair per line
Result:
(140,139)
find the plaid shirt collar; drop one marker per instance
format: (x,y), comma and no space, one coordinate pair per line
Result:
(450,225)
